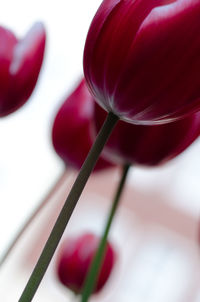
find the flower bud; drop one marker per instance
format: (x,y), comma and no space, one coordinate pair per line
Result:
(142,59)
(72,129)
(75,257)
(20,64)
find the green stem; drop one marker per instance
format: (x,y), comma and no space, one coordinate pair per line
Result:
(66,212)
(29,221)
(94,270)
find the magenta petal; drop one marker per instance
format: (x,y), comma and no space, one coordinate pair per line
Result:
(146,144)
(27,61)
(164,64)
(29,51)
(75,257)
(141,59)
(8,41)
(25,64)
(72,129)
(7,44)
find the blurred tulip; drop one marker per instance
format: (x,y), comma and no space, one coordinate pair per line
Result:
(148,145)
(20,64)
(75,257)
(142,59)
(72,129)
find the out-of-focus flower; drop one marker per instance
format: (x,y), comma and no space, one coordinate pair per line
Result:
(142,59)
(20,64)
(148,145)
(72,135)
(75,257)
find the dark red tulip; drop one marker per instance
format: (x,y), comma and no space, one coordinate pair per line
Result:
(20,64)
(75,257)
(148,145)
(72,129)
(142,59)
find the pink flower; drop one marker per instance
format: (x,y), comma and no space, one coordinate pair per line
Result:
(142,59)
(20,63)
(72,129)
(75,257)
(148,145)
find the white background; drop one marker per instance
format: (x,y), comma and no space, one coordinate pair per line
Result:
(28,164)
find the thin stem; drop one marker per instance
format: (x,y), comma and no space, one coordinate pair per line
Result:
(94,270)
(66,212)
(32,216)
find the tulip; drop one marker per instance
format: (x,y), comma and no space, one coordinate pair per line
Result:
(72,129)
(142,59)
(20,64)
(148,145)
(74,259)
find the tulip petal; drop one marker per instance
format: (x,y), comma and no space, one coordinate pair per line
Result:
(72,131)
(164,64)
(7,44)
(27,48)
(148,145)
(25,66)
(109,40)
